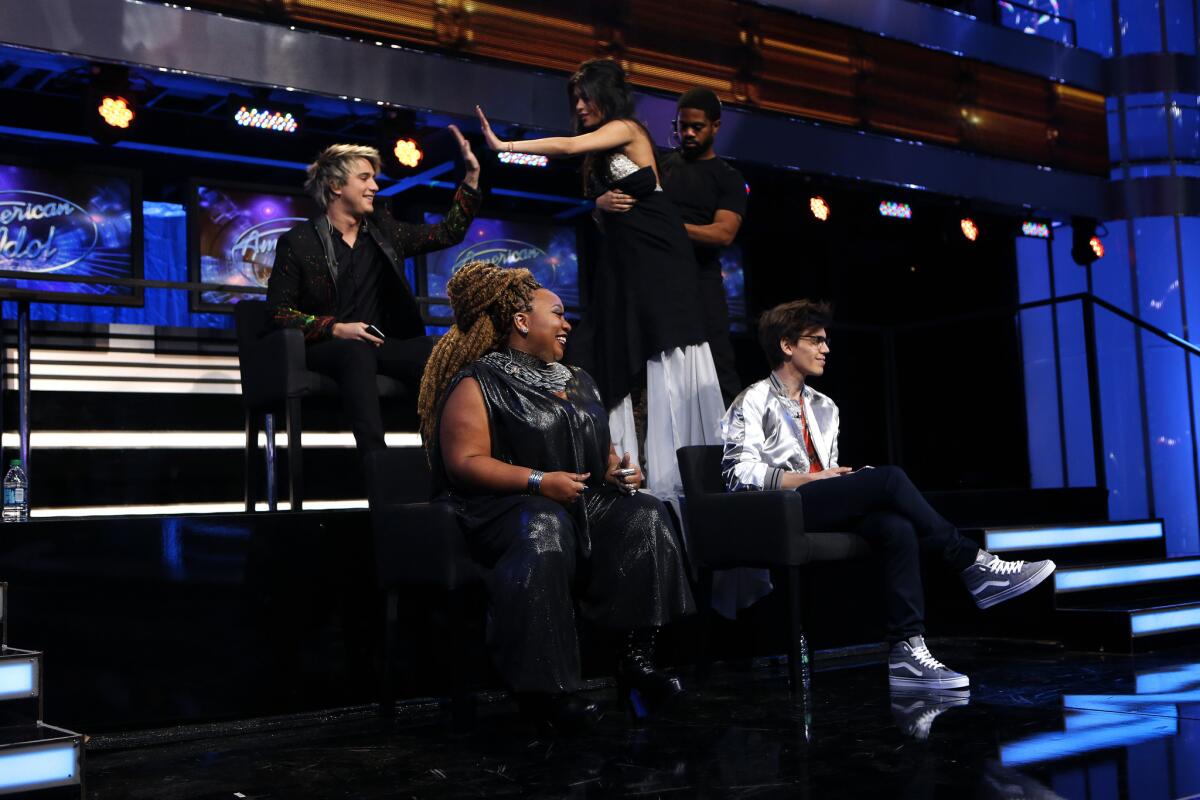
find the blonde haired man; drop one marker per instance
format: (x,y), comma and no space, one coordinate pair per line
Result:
(339,278)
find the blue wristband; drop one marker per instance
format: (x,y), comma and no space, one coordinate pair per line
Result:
(534,486)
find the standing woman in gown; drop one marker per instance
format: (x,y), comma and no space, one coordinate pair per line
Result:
(519,446)
(642,338)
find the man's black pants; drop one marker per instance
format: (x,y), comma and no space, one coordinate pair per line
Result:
(882,506)
(353,365)
(715,310)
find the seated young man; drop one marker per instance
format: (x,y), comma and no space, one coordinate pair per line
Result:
(782,434)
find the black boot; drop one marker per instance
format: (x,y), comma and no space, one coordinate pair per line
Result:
(640,685)
(565,713)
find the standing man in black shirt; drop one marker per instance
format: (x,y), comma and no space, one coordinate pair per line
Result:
(711,196)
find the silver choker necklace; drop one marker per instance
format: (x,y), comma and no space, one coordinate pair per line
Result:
(552,377)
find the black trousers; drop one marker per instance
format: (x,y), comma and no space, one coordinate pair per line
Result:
(716,330)
(353,365)
(882,506)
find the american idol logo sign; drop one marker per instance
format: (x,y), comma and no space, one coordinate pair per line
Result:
(501,252)
(42,232)
(254,248)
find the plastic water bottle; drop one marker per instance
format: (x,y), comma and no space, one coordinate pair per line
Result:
(16,493)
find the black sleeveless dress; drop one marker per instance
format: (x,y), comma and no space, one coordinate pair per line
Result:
(645,297)
(617,555)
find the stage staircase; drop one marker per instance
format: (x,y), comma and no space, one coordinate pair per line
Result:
(1115,589)
(35,758)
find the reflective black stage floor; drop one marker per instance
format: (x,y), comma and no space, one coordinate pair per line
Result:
(1039,722)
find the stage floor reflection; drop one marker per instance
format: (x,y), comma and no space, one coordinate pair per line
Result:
(1038,722)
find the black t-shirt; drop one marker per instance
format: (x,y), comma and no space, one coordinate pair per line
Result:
(700,189)
(359,278)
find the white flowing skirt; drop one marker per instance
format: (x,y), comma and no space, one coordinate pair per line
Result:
(683,407)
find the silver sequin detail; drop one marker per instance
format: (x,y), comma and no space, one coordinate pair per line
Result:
(552,377)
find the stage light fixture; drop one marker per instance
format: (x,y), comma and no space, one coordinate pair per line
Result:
(251,116)
(115,111)
(111,104)
(819,208)
(969,229)
(1038,230)
(523,159)
(890,208)
(408,152)
(1086,246)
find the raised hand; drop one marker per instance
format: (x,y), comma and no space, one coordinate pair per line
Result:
(468,156)
(493,141)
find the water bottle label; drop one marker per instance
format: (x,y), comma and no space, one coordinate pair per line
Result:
(14,495)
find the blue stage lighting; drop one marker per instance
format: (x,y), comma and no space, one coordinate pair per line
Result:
(1162,621)
(42,767)
(1072,580)
(1001,541)
(18,678)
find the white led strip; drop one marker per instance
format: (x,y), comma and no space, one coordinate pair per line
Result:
(186,508)
(186,440)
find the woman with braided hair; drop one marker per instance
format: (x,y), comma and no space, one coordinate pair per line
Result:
(519,444)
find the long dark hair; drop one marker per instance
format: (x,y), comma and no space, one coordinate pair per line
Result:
(602,81)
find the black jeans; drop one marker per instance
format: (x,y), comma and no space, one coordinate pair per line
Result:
(882,506)
(716,329)
(353,365)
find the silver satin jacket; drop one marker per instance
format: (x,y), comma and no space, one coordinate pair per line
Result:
(764,439)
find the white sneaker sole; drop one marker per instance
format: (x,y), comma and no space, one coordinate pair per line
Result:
(1018,589)
(899,682)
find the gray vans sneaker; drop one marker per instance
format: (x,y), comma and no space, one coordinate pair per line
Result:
(992,580)
(912,666)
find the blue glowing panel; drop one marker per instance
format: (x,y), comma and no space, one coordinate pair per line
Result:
(1037,353)
(1069,277)
(1185,122)
(1171,443)
(1149,622)
(548,251)
(1077,413)
(1049,19)
(1141,31)
(39,768)
(1079,578)
(165,255)
(18,678)
(1121,410)
(236,232)
(1158,273)
(67,223)
(1000,541)
(1189,248)
(1094,27)
(1033,269)
(1146,131)
(1116,152)
(1124,731)
(733,276)
(1111,275)
(1041,398)
(1177,679)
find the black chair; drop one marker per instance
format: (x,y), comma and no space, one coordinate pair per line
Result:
(419,545)
(275,376)
(755,529)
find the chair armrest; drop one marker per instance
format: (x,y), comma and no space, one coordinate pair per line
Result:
(270,368)
(744,529)
(421,544)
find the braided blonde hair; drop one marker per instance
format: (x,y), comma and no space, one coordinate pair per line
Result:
(484,298)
